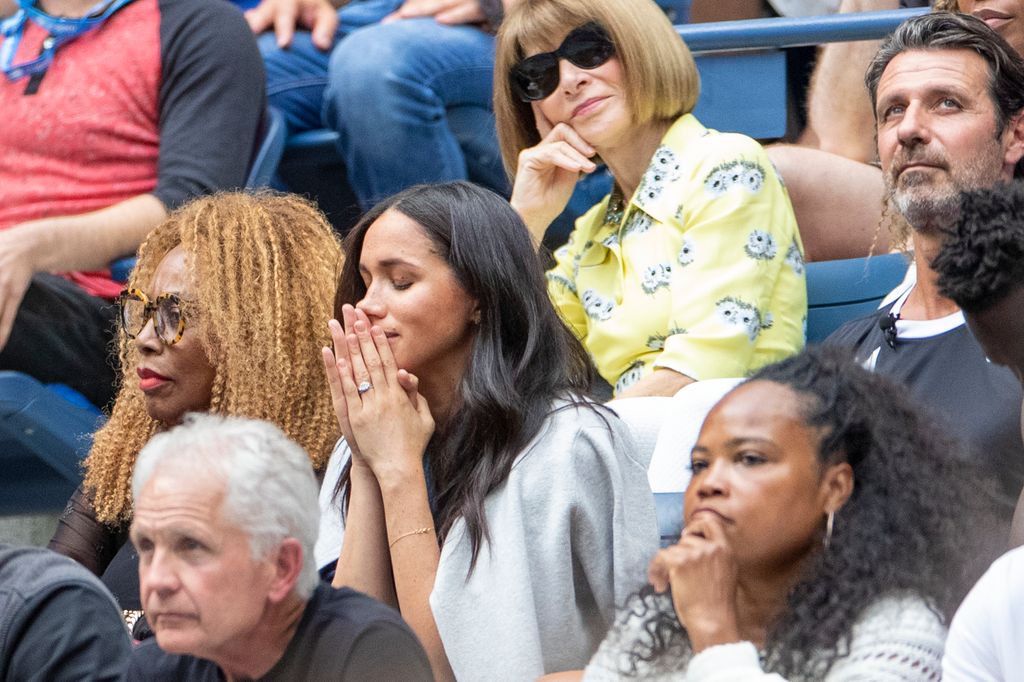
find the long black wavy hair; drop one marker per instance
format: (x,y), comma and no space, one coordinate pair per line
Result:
(523,358)
(920,520)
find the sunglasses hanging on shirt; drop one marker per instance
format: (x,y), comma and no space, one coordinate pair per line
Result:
(62,30)
(536,77)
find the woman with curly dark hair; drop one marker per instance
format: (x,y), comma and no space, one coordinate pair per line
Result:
(828,536)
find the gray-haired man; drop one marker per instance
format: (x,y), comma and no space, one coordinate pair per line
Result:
(225,520)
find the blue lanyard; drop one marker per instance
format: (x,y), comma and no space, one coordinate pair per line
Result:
(61,31)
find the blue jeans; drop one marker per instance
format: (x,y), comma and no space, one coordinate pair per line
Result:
(410,100)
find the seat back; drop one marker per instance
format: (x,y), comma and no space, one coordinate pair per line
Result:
(842,290)
(669,509)
(43,439)
(268,156)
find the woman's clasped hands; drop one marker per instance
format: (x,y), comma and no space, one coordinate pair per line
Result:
(383,417)
(701,572)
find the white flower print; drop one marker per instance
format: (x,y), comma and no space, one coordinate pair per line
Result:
(686,251)
(597,306)
(657,341)
(760,245)
(794,258)
(724,177)
(630,376)
(752,176)
(717,182)
(733,311)
(561,279)
(655,277)
(664,169)
(638,223)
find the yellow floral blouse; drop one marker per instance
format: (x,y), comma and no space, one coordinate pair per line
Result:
(702,272)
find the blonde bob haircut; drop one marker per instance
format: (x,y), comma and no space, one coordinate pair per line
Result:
(661,78)
(262,269)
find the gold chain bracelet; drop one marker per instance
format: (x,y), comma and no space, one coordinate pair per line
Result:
(418,531)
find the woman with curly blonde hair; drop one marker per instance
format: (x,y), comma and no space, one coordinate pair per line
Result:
(224,313)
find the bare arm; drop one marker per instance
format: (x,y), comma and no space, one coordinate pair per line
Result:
(365,563)
(661,382)
(837,202)
(90,240)
(79,242)
(839,117)
(7,7)
(415,557)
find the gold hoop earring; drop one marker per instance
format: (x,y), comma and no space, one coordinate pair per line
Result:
(828,529)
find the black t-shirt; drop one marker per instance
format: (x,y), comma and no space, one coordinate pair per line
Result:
(343,635)
(948,373)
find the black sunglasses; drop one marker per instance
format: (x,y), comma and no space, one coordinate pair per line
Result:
(536,77)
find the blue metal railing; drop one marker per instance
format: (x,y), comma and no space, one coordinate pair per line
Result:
(791,32)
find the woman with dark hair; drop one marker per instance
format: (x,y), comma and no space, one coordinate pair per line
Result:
(492,504)
(828,536)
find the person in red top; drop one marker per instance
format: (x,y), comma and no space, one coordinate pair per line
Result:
(113,114)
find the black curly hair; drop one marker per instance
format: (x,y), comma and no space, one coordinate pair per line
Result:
(982,257)
(918,522)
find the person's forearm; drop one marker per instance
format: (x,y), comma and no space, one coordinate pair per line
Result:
(89,240)
(365,564)
(661,382)
(7,8)
(414,558)
(838,108)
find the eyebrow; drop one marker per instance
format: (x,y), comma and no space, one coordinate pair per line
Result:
(389,263)
(735,442)
(931,92)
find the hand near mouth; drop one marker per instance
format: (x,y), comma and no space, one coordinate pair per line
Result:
(548,172)
(702,574)
(384,419)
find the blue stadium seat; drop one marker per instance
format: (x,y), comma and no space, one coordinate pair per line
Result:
(268,156)
(669,509)
(43,438)
(45,431)
(842,290)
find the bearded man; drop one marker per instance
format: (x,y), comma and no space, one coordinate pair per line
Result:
(948,96)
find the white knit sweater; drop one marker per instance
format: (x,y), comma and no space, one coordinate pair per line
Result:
(896,639)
